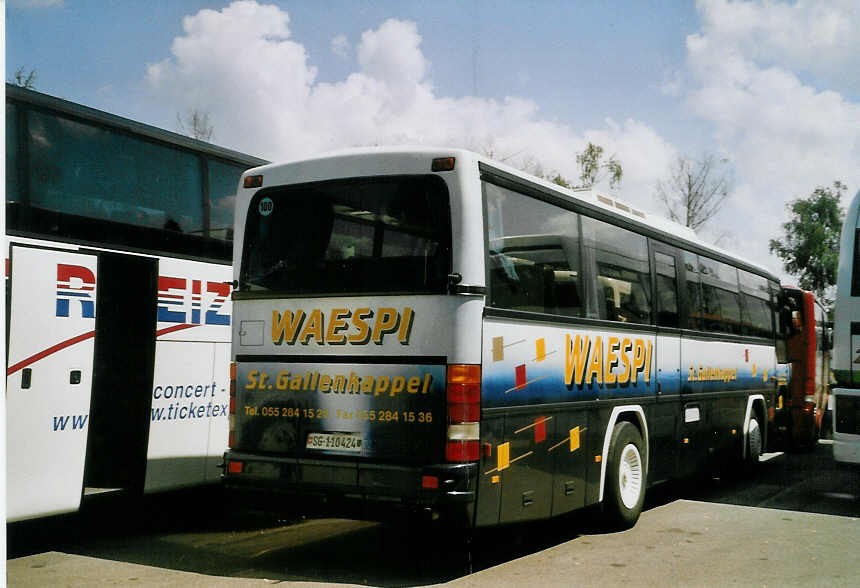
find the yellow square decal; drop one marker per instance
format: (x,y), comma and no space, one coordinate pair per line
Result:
(574,439)
(540,349)
(503,456)
(498,348)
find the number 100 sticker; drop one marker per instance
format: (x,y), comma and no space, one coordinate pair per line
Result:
(266,206)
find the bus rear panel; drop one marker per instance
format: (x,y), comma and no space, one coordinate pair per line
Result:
(343,345)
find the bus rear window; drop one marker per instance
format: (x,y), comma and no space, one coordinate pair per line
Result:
(386,235)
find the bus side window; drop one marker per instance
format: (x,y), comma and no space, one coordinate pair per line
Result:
(533,255)
(756,314)
(622,271)
(694,296)
(720,295)
(667,291)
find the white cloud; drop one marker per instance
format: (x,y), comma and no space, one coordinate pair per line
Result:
(784,135)
(816,36)
(340,46)
(392,53)
(243,67)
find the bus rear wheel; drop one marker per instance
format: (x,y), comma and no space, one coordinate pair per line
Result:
(754,443)
(625,477)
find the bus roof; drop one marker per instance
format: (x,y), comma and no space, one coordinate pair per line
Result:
(80,111)
(416,159)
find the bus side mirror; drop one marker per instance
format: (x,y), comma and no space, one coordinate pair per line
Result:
(788,324)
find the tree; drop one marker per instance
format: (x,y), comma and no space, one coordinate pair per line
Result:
(24,79)
(809,248)
(560,180)
(592,168)
(196,125)
(694,191)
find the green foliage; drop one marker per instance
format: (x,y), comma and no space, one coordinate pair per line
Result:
(809,248)
(561,181)
(592,168)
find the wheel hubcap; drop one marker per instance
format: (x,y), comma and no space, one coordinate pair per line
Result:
(630,475)
(755,440)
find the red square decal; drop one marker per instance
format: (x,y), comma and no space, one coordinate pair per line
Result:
(540,429)
(521,376)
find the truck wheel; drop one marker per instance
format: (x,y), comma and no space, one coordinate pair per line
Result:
(625,477)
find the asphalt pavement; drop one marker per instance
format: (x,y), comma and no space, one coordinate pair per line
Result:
(682,543)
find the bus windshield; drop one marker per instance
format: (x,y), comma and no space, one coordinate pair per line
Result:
(388,235)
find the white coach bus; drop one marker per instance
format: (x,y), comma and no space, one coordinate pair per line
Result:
(118,252)
(846,342)
(432,330)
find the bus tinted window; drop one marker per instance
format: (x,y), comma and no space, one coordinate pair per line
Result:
(84,170)
(695,305)
(756,315)
(223,181)
(370,235)
(12,193)
(667,291)
(620,262)
(533,257)
(720,296)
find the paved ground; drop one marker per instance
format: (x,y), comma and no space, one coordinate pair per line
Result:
(794,523)
(683,543)
(688,543)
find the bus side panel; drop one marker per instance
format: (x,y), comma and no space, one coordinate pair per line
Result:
(569,479)
(717,378)
(49,379)
(219,425)
(546,380)
(190,392)
(489,494)
(182,400)
(663,415)
(527,481)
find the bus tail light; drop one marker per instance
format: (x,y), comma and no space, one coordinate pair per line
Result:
(442,164)
(232,437)
(463,387)
(252,181)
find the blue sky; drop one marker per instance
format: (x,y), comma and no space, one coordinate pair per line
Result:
(772,87)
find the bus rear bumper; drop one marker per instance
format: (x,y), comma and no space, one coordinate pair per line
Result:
(355,489)
(846,448)
(846,425)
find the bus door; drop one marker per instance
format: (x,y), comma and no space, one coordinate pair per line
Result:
(663,427)
(124,359)
(692,438)
(49,375)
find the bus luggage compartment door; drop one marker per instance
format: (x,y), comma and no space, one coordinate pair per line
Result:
(51,296)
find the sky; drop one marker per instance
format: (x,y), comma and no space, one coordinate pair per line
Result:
(770,88)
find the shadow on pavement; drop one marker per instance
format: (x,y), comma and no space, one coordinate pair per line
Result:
(196,531)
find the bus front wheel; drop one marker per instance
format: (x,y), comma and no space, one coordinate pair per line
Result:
(625,476)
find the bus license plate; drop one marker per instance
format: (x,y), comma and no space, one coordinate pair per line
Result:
(335,441)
